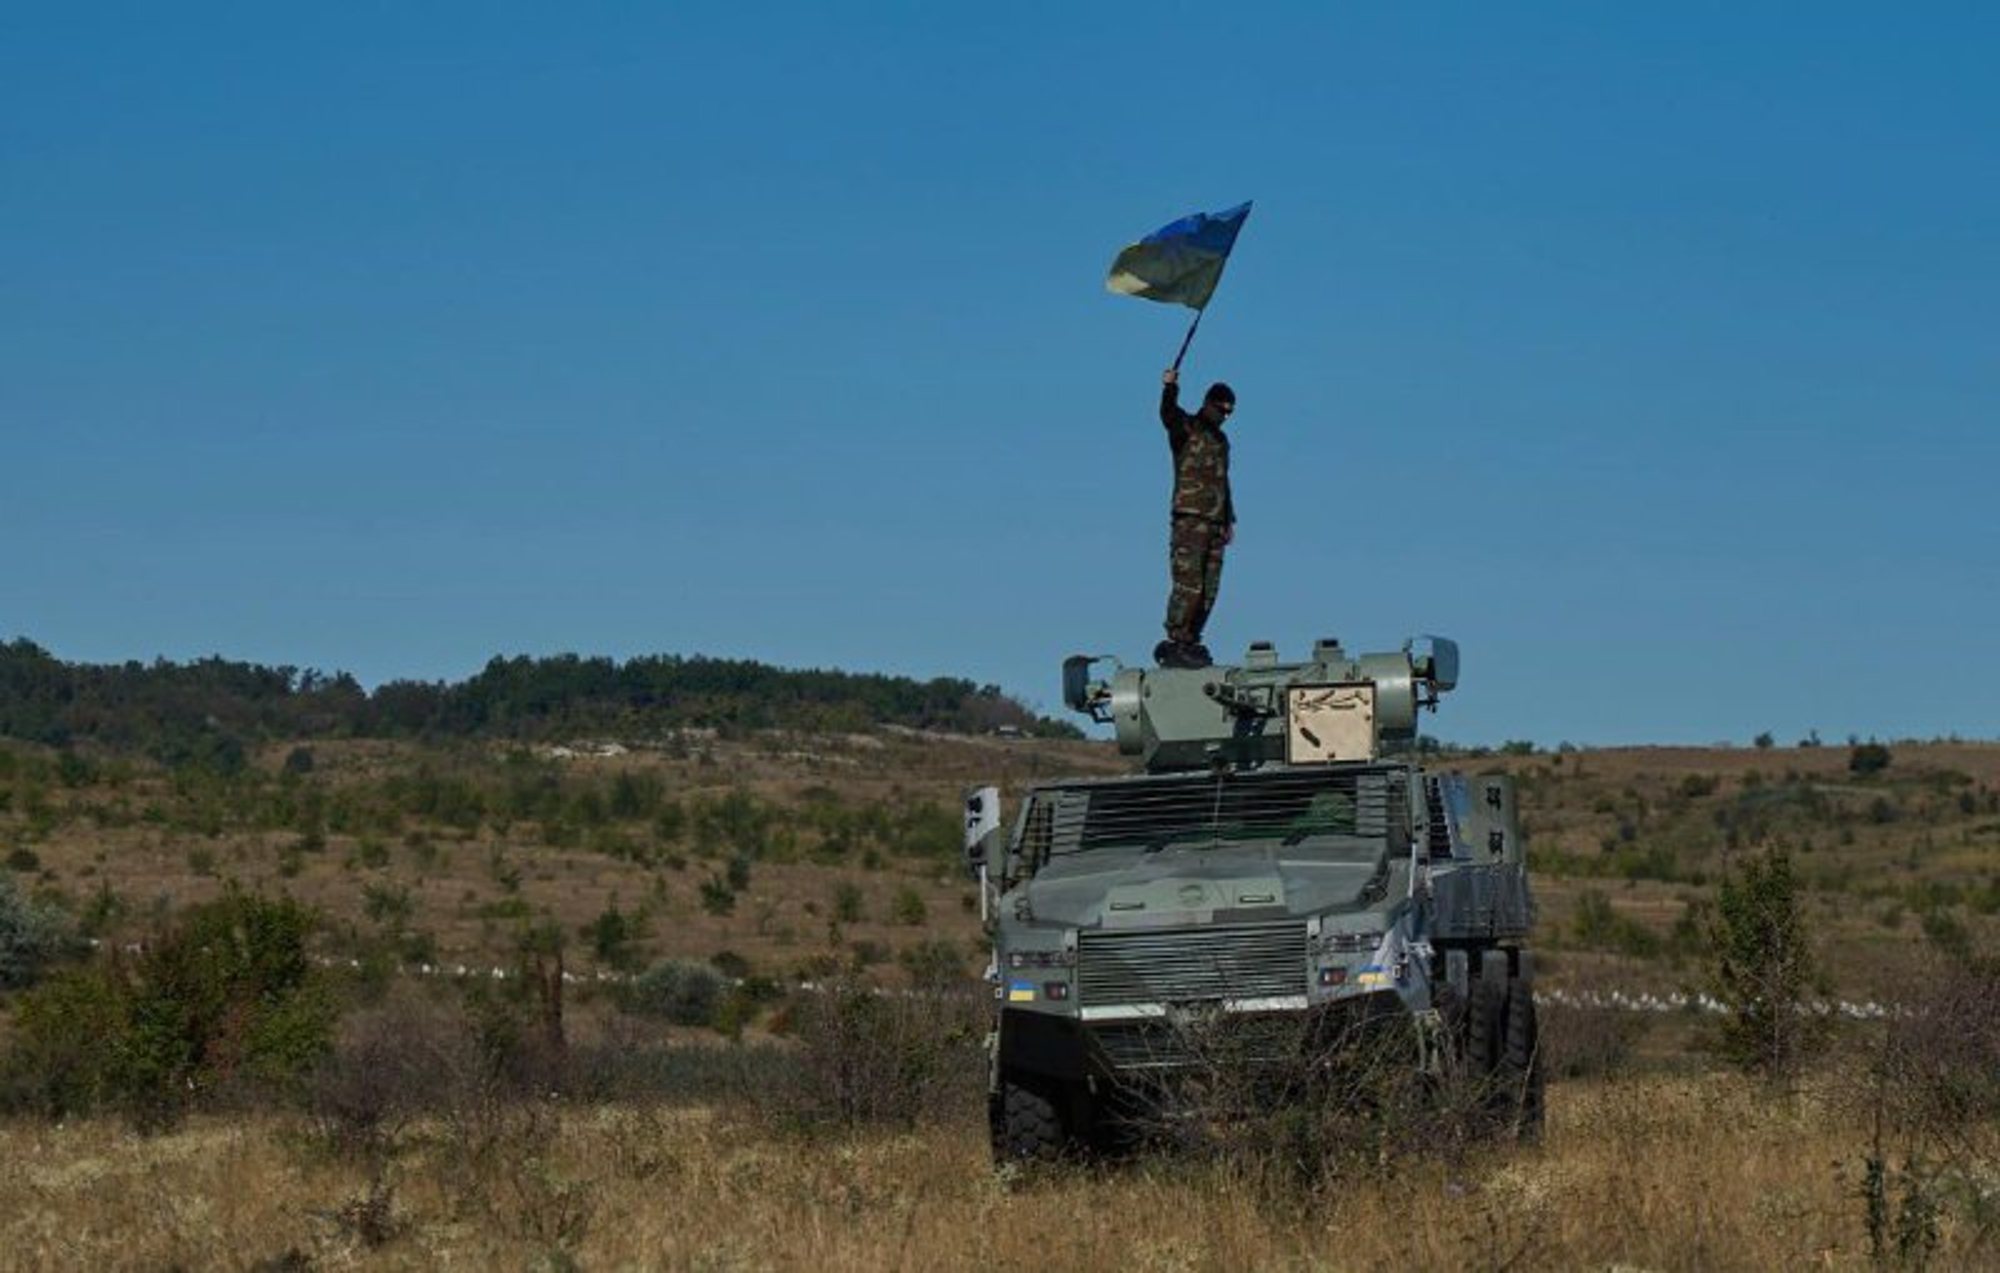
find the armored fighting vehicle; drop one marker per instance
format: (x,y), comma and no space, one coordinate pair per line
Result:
(1285,856)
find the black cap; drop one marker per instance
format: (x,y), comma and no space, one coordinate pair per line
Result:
(1219,392)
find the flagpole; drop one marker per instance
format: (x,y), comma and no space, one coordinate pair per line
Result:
(1188,339)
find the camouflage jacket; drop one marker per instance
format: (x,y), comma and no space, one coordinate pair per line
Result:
(1201,462)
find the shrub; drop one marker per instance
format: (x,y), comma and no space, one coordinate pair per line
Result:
(24,860)
(615,937)
(908,906)
(1695,786)
(31,937)
(1763,968)
(64,1050)
(1297,1106)
(1948,933)
(1600,926)
(847,903)
(717,898)
(683,991)
(224,995)
(389,1065)
(934,964)
(730,964)
(1932,1090)
(1868,758)
(869,1057)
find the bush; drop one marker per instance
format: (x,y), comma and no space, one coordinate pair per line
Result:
(907,907)
(1600,926)
(224,996)
(934,964)
(1868,758)
(847,903)
(615,937)
(1298,1105)
(868,1057)
(1932,1092)
(67,1034)
(390,1064)
(1763,968)
(31,937)
(717,898)
(683,991)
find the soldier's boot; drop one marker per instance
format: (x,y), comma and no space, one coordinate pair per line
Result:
(1172,653)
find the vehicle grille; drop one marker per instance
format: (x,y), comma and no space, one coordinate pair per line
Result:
(1205,1043)
(1224,961)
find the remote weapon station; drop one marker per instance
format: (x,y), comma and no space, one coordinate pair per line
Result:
(1284,859)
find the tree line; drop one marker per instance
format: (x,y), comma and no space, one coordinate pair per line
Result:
(187,711)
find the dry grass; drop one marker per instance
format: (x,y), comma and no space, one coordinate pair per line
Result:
(1861,876)
(781,922)
(1665,1174)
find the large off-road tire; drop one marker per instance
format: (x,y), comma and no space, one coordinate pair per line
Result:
(1485,1027)
(1521,1060)
(1027,1124)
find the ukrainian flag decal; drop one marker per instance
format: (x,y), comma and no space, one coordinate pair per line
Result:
(1020,992)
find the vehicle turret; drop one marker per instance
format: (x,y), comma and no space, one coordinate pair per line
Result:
(1332,707)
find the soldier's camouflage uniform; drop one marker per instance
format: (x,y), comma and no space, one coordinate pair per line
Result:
(1202,516)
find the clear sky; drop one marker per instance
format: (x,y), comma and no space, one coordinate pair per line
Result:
(1653,352)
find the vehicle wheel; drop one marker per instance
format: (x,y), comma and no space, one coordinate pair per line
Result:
(1485,1023)
(1029,1127)
(1521,1061)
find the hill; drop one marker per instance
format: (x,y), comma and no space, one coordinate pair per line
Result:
(210,710)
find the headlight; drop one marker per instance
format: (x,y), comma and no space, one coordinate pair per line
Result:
(1038,959)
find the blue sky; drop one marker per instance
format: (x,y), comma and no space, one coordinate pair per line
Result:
(1653,355)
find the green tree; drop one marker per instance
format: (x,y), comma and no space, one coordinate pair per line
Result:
(1867,758)
(1763,968)
(225,993)
(615,937)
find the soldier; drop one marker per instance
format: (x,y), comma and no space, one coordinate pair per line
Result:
(1204,518)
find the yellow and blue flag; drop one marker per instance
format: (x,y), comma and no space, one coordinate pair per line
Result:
(1179,263)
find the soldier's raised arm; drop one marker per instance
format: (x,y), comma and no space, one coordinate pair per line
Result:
(1171,414)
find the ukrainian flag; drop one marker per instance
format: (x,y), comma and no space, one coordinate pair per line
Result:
(1179,263)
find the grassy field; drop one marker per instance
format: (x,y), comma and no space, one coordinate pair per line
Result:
(787,856)
(1636,1173)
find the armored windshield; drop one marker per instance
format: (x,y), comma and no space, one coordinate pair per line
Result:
(1310,809)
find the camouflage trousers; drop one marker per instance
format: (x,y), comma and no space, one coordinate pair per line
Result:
(1196,565)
